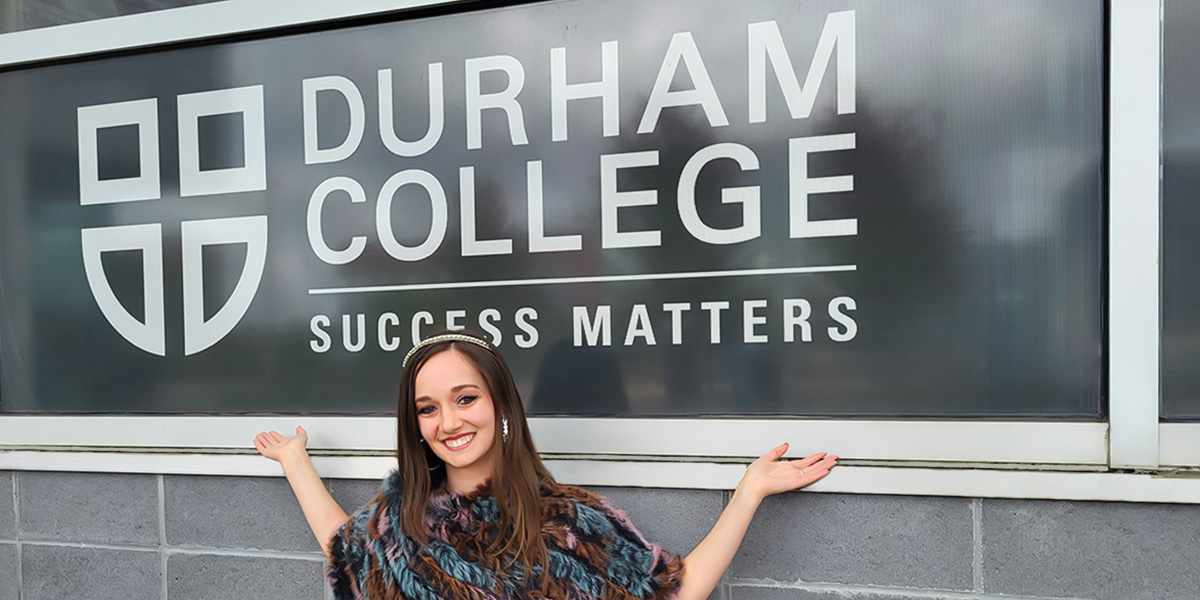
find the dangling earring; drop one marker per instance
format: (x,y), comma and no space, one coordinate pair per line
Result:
(504,433)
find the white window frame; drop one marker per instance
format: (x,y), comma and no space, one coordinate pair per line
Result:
(1139,439)
(1178,443)
(1001,458)
(1135,153)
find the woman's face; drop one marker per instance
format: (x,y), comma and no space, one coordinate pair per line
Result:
(456,417)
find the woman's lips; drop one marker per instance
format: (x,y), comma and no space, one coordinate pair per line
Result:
(458,442)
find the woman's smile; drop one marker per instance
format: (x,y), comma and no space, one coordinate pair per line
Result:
(458,442)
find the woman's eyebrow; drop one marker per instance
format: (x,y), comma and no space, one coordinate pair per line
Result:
(454,390)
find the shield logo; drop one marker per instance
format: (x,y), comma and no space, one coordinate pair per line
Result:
(149,334)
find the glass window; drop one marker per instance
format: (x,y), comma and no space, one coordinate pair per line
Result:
(1181,212)
(849,209)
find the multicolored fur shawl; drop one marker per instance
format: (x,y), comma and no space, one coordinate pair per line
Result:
(594,552)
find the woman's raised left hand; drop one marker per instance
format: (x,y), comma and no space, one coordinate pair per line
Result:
(769,475)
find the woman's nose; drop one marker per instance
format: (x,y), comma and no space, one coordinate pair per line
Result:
(451,420)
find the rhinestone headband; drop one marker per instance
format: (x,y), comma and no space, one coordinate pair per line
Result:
(447,337)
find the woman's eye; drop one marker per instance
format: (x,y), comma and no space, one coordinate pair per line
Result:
(425,410)
(467,399)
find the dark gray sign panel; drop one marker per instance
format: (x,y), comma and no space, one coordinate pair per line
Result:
(655,208)
(1181,212)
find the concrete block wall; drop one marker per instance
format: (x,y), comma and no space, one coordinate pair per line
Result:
(156,537)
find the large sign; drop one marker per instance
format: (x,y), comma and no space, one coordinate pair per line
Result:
(653,208)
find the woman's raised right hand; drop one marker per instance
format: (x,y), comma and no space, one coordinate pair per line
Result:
(276,446)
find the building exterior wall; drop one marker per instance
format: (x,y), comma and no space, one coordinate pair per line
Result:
(175,537)
(155,537)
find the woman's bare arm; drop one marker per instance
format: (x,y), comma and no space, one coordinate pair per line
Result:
(767,475)
(323,513)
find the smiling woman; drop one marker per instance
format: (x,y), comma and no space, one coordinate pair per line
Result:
(471,511)
(457,419)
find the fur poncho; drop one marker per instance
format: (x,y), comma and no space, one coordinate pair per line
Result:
(594,552)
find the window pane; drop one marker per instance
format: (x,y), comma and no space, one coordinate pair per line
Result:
(838,208)
(1181,212)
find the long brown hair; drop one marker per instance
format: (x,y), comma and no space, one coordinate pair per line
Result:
(518,470)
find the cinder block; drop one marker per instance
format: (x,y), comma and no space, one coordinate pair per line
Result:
(1099,550)
(675,519)
(901,541)
(8,517)
(353,494)
(214,577)
(89,507)
(54,573)
(8,572)
(775,593)
(240,513)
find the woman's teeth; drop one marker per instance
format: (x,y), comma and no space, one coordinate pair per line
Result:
(459,442)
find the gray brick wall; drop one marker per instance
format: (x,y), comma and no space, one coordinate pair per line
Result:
(229,577)
(92,508)
(1092,549)
(240,513)
(9,585)
(909,542)
(104,537)
(50,572)
(8,513)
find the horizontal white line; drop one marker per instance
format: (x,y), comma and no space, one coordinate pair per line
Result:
(180,550)
(853,591)
(895,481)
(1056,443)
(970,482)
(244,553)
(454,285)
(91,546)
